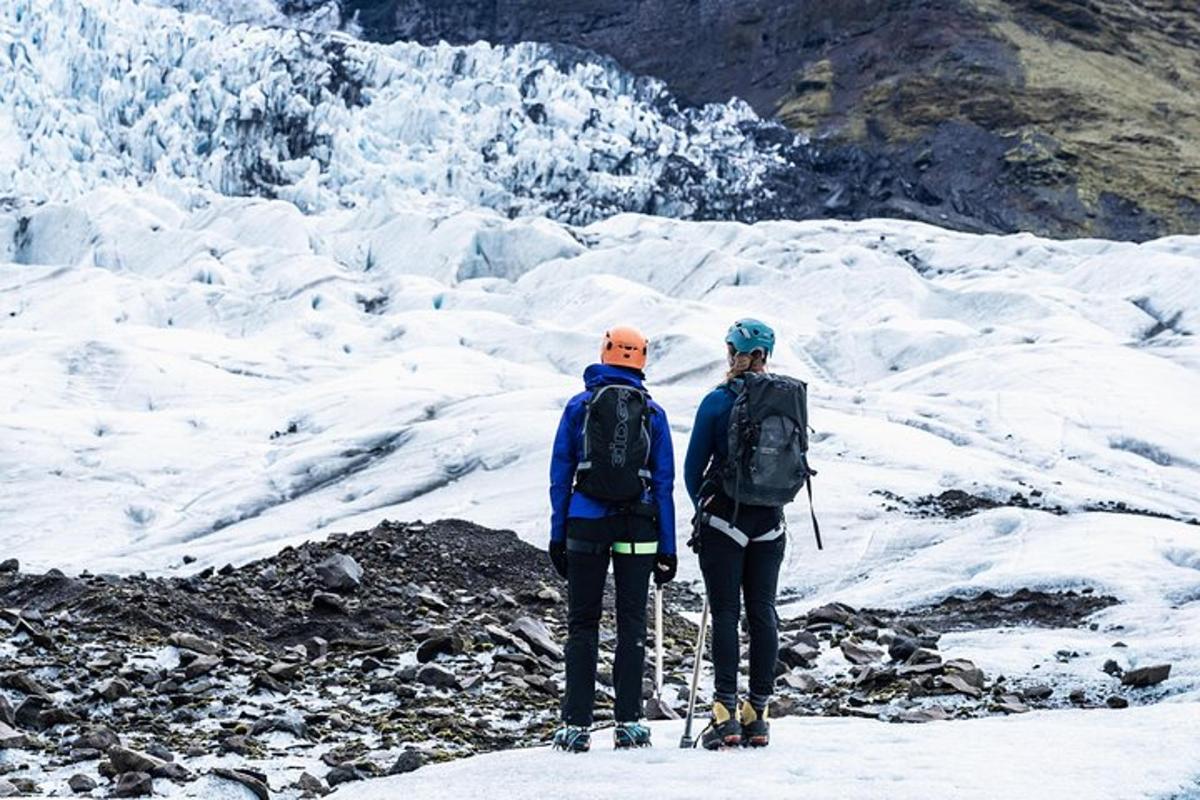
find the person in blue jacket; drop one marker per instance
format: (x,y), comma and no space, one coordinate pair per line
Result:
(586,533)
(733,571)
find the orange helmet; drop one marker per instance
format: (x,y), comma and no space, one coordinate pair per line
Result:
(624,347)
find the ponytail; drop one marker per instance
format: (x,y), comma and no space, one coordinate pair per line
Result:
(741,363)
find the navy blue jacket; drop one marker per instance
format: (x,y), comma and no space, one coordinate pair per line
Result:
(568,443)
(709,440)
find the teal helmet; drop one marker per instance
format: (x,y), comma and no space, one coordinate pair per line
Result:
(748,335)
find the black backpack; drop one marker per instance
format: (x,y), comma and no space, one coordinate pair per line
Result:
(768,443)
(616,444)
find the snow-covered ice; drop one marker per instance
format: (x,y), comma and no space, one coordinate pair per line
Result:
(1042,755)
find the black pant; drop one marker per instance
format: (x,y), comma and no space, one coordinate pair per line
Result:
(731,573)
(586,575)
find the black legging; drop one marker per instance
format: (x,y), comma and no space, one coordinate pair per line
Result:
(586,576)
(732,573)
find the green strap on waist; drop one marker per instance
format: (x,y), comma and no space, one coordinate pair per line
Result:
(635,548)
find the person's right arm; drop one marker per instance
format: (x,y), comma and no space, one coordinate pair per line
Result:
(563,461)
(702,445)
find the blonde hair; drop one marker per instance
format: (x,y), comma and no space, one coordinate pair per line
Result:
(741,363)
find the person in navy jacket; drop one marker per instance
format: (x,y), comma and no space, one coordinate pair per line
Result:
(586,533)
(735,571)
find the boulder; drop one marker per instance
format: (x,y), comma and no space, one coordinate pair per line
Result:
(537,637)
(81,784)
(8,789)
(10,565)
(133,784)
(6,711)
(328,603)
(1146,676)
(340,573)
(799,654)
(800,682)
(1116,701)
(1011,704)
(113,689)
(901,647)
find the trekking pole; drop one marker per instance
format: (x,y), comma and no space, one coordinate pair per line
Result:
(687,742)
(658,645)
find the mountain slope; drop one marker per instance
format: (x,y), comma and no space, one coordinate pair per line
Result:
(1061,117)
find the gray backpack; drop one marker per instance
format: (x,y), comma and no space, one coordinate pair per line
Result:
(768,443)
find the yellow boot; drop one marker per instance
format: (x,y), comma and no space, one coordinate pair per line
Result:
(723,731)
(756,730)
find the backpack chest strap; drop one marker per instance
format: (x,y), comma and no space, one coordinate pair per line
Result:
(737,534)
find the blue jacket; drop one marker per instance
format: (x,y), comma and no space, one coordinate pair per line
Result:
(568,443)
(709,440)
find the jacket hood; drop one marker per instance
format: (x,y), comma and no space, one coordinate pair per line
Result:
(607,374)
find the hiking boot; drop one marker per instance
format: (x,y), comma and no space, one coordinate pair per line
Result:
(723,731)
(756,731)
(630,734)
(572,739)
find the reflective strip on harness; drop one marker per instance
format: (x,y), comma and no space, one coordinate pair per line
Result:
(718,524)
(635,548)
(619,548)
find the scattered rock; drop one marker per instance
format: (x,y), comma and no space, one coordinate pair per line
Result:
(1113,668)
(284,671)
(97,737)
(312,786)
(438,644)
(7,789)
(1011,704)
(255,783)
(408,761)
(537,637)
(835,613)
(10,566)
(114,689)
(340,573)
(957,683)
(81,784)
(343,774)
(189,641)
(801,682)
(199,666)
(1039,692)
(12,739)
(7,714)
(925,714)
(316,648)
(860,654)
(798,654)
(1116,701)
(133,784)
(125,759)
(437,676)
(329,603)
(25,683)
(1078,696)
(902,647)
(1146,676)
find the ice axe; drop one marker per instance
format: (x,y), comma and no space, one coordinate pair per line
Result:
(687,742)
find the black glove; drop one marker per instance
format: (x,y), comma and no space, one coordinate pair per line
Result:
(664,568)
(558,557)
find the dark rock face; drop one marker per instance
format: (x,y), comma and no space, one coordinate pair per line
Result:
(956,112)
